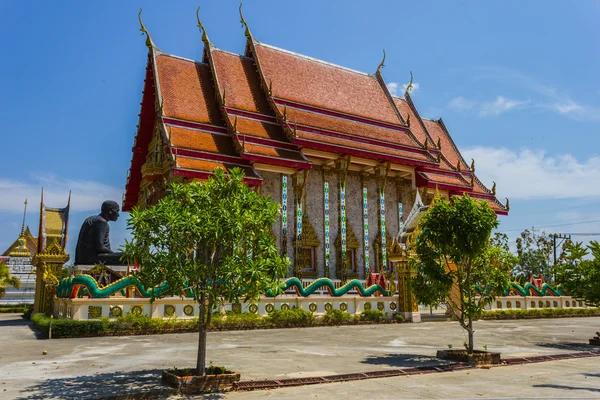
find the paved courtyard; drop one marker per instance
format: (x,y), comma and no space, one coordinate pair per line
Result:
(94,368)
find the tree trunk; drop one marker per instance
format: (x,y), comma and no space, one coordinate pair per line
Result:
(470,331)
(202,327)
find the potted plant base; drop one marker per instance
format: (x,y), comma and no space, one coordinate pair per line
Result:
(596,339)
(478,357)
(187,382)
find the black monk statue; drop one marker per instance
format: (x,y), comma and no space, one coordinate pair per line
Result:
(93,244)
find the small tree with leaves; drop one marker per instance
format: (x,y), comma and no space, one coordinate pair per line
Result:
(454,255)
(211,240)
(7,279)
(579,275)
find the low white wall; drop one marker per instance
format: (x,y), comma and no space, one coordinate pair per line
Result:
(533,302)
(83,308)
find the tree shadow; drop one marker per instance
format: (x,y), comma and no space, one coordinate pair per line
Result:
(551,386)
(405,360)
(14,322)
(592,375)
(145,384)
(571,346)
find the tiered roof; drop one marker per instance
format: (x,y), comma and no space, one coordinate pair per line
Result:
(267,108)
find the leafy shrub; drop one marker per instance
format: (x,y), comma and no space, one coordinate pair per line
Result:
(399,318)
(232,321)
(540,313)
(373,316)
(293,317)
(336,317)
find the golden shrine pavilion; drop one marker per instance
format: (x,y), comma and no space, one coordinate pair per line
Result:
(344,157)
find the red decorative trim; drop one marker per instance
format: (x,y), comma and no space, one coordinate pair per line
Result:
(205,175)
(349,117)
(359,153)
(194,125)
(361,139)
(251,115)
(266,142)
(455,174)
(283,162)
(206,155)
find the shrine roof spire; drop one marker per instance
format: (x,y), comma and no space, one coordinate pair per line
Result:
(382,63)
(202,28)
(245,24)
(149,42)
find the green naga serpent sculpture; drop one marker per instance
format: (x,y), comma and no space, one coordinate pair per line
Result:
(69,288)
(528,290)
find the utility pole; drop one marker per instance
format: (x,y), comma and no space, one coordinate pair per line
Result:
(554,237)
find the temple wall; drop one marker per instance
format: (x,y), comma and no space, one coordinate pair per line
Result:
(391,208)
(373,202)
(354,217)
(272,187)
(334,220)
(314,209)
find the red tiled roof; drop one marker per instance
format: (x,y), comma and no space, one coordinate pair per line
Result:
(269,151)
(239,79)
(330,123)
(208,166)
(349,143)
(415,126)
(187,90)
(448,150)
(304,80)
(191,139)
(256,128)
(444,179)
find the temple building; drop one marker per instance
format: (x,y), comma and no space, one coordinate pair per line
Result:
(37,261)
(344,157)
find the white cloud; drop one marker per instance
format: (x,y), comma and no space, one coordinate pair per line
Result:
(461,104)
(86,195)
(501,105)
(393,88)
(573,110)
(398,90)
(414,88)
(533,174)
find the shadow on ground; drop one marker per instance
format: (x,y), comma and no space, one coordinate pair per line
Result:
(132,385)
(571,346)
(404,360)
(565,387)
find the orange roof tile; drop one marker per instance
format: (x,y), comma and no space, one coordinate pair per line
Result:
(200,165)
(256,128)
(274,152)
(187,90)
(239,79)
(317,83)
(448,150)
(184,138)
(444,179)
(415,126)
(346,126)
(361,146)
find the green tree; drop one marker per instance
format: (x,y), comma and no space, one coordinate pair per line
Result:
(535,253)
(7,279)
(210,239)
(580,276)
(454,255)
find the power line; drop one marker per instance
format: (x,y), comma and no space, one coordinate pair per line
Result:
(557,209)
(552,226)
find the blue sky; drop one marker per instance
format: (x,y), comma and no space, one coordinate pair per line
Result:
(516,83)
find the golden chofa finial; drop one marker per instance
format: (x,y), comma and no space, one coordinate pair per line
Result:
(507,205)
(382,63)
(409,87)
(149,42)
(494,188)
(270,87)
(201,27)
(472,165)
(284,112)
(458,166)
(408,120)
(235,125)
(439,143)
(243,22)
(24,214)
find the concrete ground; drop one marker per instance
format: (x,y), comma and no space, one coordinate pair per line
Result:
(93,368)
